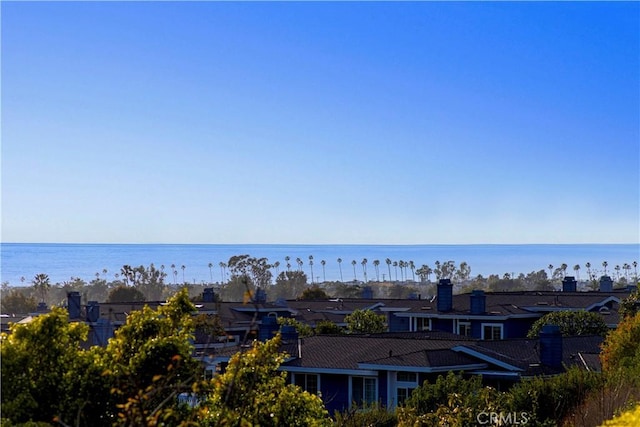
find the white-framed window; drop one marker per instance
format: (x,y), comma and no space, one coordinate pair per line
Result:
(307,382)
(363,390)
(492,331)
(406,382)
(420,324)
(464,328)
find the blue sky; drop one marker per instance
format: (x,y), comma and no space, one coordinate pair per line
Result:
(328,122)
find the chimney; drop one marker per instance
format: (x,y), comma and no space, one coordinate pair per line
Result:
(478,302)
(367,292)
(268,328)
(260,296)
(551,346)
(73,304)
(569,284)
(93,311)
(606,284)
(445,295)
(103,330)
(208,295)
(289,333)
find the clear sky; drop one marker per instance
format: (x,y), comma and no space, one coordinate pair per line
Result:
(327,122)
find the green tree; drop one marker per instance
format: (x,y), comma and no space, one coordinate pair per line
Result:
(253,392)
(621,349)
(150,361)
(451,400)
(256,270)
(303,329)
(150,282)
(17,302)
(327,327)
(630,305)
(571,323)
(289,285)
(365,322)
(125,294)
(313,293)
(40,362)
(42,285)
(548,400)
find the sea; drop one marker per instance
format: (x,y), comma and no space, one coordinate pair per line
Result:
(62,262)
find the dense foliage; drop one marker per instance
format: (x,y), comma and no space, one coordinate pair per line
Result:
(365,322)
(252,392)
(571,323)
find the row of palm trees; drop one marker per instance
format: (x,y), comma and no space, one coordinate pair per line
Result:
(404,267)
(562,270)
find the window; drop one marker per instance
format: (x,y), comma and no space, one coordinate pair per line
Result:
(406,382)
(308,382)
(491,331)
(464,329)
(364,390)
(421,324)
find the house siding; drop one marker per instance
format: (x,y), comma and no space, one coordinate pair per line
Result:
(398,324)
(335,392)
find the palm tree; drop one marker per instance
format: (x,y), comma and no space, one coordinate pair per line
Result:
(175,273)
(412,266)
(277,267)
(211,271)
(388,262)
(395,266)
(324,277)
(576,268)
(588,265)
(626,267)
(635,270)
(221,265)
(353,263)
(287,259)
(617,269)
(605,264)
(340,267)
(300,264)
(563,267)
(401,265)
(364,269)
(550,267)
(183,268)
(376,266)
(311,267)
(42,284)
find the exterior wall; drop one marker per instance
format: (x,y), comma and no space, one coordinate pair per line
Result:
(517,328)
(335,392)
(444,325)
(398,324)
(383,380)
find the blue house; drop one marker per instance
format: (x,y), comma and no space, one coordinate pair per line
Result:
(348,370)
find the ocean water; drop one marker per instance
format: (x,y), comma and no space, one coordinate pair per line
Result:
(64,261)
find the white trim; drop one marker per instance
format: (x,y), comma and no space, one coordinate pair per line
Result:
(355,372)
(488,359)
(423,369)
(306,374)
(470,317)
(364,388)
(413,324)
(493,325)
